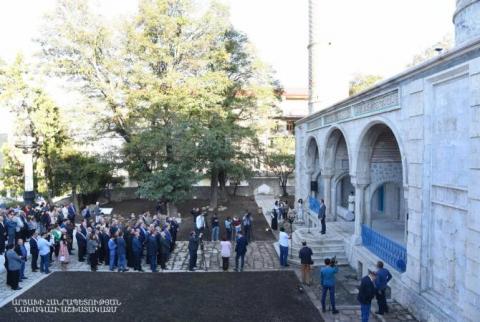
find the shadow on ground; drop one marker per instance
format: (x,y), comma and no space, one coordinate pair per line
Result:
(197,297)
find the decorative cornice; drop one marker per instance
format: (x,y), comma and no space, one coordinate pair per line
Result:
(369,106)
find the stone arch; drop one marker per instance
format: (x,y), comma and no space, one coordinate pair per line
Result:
(380,162)
(312,155)
(363,152)
(337,164)
(332,139)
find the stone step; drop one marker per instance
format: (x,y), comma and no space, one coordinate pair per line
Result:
(321,248)
(318,261)
(318,258)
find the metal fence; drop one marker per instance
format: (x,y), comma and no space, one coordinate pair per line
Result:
(391,252)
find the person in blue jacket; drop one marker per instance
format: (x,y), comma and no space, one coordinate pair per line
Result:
(241,250)
(112,248)
(383,276)
(327,280)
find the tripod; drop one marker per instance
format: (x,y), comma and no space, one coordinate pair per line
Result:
(202,250)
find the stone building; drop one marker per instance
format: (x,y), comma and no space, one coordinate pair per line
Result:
(409,150)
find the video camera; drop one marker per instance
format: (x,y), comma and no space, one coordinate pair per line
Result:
(333,261)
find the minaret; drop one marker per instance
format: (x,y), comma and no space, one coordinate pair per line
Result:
(313,48)
(327,83)
(467,21)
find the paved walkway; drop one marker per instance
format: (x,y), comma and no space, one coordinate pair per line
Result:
(260,256)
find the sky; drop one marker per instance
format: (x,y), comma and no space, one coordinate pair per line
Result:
(371,36)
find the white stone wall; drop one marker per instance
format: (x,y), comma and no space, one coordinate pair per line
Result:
(467,21)
(437,127)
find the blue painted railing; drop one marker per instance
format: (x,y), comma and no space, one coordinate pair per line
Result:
(313,204)
(391,252)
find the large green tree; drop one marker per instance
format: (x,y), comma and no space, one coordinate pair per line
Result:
(279,159)
(178,84)
(37,117)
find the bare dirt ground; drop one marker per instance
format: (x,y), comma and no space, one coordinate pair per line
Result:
(235,206)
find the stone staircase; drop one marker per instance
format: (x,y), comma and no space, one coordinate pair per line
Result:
(323,246)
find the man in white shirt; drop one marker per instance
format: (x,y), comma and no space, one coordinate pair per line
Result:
(283,241)
(44,252)
(200,223)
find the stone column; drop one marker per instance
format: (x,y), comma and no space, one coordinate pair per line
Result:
(467,21)
(359,211)
(327,183)
(368,207)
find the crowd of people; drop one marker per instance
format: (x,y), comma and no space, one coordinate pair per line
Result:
(237,229)
(114,241)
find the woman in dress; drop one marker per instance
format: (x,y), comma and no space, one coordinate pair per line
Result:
(63,252)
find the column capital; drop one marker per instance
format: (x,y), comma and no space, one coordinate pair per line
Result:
(359,182)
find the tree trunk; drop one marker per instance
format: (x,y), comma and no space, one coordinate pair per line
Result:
(283,184)
(214,189)
(222,178)
(172,210)
(75,198)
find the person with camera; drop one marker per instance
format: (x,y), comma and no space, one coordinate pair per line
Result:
(327,280)
(305,255)
(193,243)
(383,276)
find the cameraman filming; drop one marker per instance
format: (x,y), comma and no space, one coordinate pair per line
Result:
(327,280)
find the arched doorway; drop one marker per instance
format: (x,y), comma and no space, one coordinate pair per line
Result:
(380,169)
(313,166)
(337,164)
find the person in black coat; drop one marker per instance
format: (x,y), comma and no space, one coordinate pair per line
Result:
(3,235)
(82,245)
(103,252)
(128,239)
(137,249)
(34,251)
(305,255)
(192,250)
(152,249)
(366,293)
(241,250)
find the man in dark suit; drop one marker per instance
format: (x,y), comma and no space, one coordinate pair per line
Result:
(82,245)
(192,250)
(121,252)
(137,249)
(321,216)
(152,249)
(34,251)
(366,293)
(241,250)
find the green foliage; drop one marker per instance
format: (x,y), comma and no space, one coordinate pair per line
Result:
(182,88)
(84,174)
(11,173)
(444,44)
(362,82)
(280,160)
(38,117)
